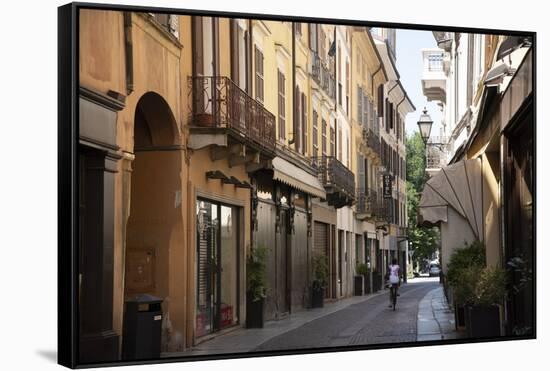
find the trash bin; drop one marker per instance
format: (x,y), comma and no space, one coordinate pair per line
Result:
(142,328)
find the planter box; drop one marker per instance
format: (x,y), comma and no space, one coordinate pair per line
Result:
(254,312)
(482,321)
(460,321)
(204,119)
(358,285)
(367,284)
(317,297)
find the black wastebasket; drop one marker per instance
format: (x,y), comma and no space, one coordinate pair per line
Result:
(142,328)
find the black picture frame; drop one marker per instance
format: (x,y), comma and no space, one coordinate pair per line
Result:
(68,183)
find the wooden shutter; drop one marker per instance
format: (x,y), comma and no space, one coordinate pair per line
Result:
(332,142)
(361,171)
(360,105)
(198,55)
(367,173)
(339,144)
(234,31)
(216,45)
(259,65)
(282,106)
(321,46)
(297,115)
(313,37)
(380,100)
(348,88)
(315,133)
(324,138)
(304,124)
(365,111)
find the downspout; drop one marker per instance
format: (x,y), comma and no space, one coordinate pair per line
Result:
(291,141)
(128,53)
(249,61)
(336,74)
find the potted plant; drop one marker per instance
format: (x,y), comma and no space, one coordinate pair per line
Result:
(464,264)
(483,312)
(256,286)
(320,275)
(362,271)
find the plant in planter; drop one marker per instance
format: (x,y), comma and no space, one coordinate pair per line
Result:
(483,313)
(256,286)
(362,270)
(464,266)
(320,275)
(521,277)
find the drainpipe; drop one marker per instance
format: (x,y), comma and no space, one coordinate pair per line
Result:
(336,74)
(250,56)
(291,141)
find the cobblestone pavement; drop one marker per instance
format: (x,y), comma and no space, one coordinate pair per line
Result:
(368,322)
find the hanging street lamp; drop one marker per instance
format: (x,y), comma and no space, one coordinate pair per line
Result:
(425,125)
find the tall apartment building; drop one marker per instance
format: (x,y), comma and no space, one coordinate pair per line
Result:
(483,84)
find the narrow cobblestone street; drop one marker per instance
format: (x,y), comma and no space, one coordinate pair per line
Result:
(422,314)
(368,322)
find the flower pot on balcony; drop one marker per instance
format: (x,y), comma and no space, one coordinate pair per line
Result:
(204,119)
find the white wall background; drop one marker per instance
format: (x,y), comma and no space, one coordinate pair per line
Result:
(28,187)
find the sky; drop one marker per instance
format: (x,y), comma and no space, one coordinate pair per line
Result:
(409,45)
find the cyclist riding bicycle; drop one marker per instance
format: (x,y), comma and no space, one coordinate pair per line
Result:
(394,278)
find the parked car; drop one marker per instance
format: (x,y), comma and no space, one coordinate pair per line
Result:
(434,270)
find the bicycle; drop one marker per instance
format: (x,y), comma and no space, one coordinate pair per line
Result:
(393,294)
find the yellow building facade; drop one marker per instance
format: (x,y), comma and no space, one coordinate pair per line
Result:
(202,138)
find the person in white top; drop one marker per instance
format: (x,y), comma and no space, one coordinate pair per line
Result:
(394,279)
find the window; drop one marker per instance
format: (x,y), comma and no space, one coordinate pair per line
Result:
(360,105)
(324,137)
(321,45)
(259,64)
(332,141)
(168,22)
(298,29)
(380,100)
(313,37)
(282,107)
(348,87)
(315,133)
(340,144)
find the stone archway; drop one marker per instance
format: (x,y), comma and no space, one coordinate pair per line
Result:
(154,231)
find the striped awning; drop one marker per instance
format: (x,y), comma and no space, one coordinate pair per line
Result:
(292,175)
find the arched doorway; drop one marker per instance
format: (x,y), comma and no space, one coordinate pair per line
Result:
(154,233)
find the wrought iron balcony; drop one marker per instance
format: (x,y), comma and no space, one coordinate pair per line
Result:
(322,76)
(217,103)
(371,205)
(373,141)
(338,180)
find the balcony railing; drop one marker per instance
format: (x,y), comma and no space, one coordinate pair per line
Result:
(338,180)
(323,77)
(217,102)
(373,141)
(371,204)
